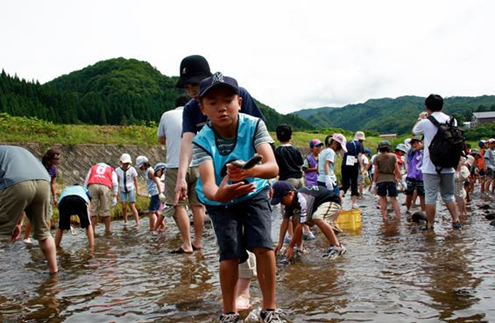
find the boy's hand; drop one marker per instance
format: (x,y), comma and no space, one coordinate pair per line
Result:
(227,192)
(278,248)
(237,173)
(289,252)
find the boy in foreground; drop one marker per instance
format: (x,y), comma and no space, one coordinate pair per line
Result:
(313,206)
(236,198)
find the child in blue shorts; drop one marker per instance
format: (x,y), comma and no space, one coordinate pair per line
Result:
(154,189)
(128,186)
(236,198)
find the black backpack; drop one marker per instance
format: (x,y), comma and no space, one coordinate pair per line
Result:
(447,146)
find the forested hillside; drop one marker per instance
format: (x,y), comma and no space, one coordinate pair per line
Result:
(112,92)
(391,115)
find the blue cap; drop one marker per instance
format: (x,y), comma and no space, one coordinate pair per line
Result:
(280,189)
(216,80)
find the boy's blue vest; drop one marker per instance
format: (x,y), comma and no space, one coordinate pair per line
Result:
(244,149)
(77,190)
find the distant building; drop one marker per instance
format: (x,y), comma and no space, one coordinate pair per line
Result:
(388,135)
(467,125)
(482,118)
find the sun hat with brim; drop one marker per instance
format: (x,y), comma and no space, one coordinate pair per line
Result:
(280,189)
(340,138)
(141,160)
(193,69)
(401,147)
(125,158)
(475,152)
(359,135)
(491,140)
(159,166)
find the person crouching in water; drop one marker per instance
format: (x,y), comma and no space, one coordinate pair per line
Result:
(313,206)
(154,189)
(74,200)
(387,174)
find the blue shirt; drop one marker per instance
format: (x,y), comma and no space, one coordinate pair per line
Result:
(75,190)
(19,165)
(193,119)
(354,148)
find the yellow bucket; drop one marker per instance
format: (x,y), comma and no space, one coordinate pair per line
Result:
(349,220)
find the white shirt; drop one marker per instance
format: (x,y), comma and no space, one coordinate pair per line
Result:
(429,130)
(326,154)
(170,127)
(130,174)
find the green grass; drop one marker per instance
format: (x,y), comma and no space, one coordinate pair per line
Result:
(29,130)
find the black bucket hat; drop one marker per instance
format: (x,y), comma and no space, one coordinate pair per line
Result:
(193,69)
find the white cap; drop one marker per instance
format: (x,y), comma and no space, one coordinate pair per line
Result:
(140,160)
(125,158)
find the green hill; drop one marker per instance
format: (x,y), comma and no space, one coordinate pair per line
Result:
(112,92)
(391,115)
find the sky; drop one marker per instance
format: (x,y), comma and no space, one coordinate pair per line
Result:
(290,55)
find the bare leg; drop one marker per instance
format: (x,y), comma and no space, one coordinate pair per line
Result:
(228,282)
(152,217)
(453,211)
(182,221)
(94,220)
(422,203)
(396,207)
(242,294)
(107,223)
(91,238)
(430,214)
(265,261)
(409,199)
(327,231)
(58,237)
(135,212)
(124,211)
(383,207)
(48,248)
(199,223)
(27,233)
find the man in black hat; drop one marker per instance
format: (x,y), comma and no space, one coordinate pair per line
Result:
(193,69)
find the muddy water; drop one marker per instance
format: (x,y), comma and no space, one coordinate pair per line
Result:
(391,273)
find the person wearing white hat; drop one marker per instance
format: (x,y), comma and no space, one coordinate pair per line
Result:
(352,163)
(128,187)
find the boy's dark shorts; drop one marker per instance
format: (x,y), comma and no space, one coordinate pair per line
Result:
(387,187)
(72,205)
(154,203)
(243,226)
(412,185)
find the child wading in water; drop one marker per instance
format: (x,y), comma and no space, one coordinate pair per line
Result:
(312,206)
(154,189)
(236,198)
(387,174)
(128,186)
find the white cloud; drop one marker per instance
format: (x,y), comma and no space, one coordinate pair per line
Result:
(289,54)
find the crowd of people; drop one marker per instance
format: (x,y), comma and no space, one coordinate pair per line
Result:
(221,161)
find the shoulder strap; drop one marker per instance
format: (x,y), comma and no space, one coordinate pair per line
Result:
(434,121)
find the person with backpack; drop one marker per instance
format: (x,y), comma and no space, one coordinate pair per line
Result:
(440,157)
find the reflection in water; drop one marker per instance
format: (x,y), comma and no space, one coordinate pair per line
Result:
(392,272)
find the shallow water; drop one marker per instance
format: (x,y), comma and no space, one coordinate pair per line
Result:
(391,273)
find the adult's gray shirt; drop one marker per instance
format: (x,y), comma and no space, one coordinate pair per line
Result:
(19,165)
